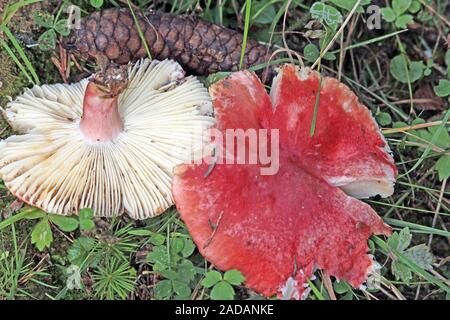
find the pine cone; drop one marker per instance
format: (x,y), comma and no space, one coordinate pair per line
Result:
(199,46)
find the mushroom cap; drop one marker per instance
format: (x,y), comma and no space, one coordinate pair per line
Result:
(277,229)
(347,147)
(53,166)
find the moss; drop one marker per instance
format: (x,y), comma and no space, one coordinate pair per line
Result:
(46,70)
(12,82)
(26,32)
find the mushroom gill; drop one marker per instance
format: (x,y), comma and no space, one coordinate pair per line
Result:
(78,148)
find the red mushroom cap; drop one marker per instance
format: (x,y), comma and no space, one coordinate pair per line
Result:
(277,229)
(347,149)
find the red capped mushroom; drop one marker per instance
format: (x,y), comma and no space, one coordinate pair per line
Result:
(278,228)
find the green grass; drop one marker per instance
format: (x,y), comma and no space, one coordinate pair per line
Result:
(138,27)
(18,273)
(28,69)
(248,9)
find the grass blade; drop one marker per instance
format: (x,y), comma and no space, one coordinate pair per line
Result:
(316,107)
(370,41)
(21,53)
(413,266)
(12,9)
(418,227)
(18,63)
(141,34)
(248,8)
(430,145)
(316,291)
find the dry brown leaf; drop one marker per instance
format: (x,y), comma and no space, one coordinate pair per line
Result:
(427,100)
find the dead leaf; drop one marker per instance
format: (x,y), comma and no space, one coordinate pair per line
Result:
(16,205)
(427,100)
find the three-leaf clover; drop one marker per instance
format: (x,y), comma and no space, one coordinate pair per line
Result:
(85,218)
(47,40)
(222,286)
(326,14)
(405,71)
(169,260)
(399,12)
(177,281)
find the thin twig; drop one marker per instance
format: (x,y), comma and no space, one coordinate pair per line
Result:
(215,227)
(283,30)
(328,285)
(438,207)
(345,44)
(435,12)
(412,127)
(408,101)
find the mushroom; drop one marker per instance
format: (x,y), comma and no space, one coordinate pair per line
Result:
(347,148)
(278,228)
(80,147)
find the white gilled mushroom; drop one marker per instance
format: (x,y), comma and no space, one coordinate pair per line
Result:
(81,149)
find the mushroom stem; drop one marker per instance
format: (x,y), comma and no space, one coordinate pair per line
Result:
(101,120)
